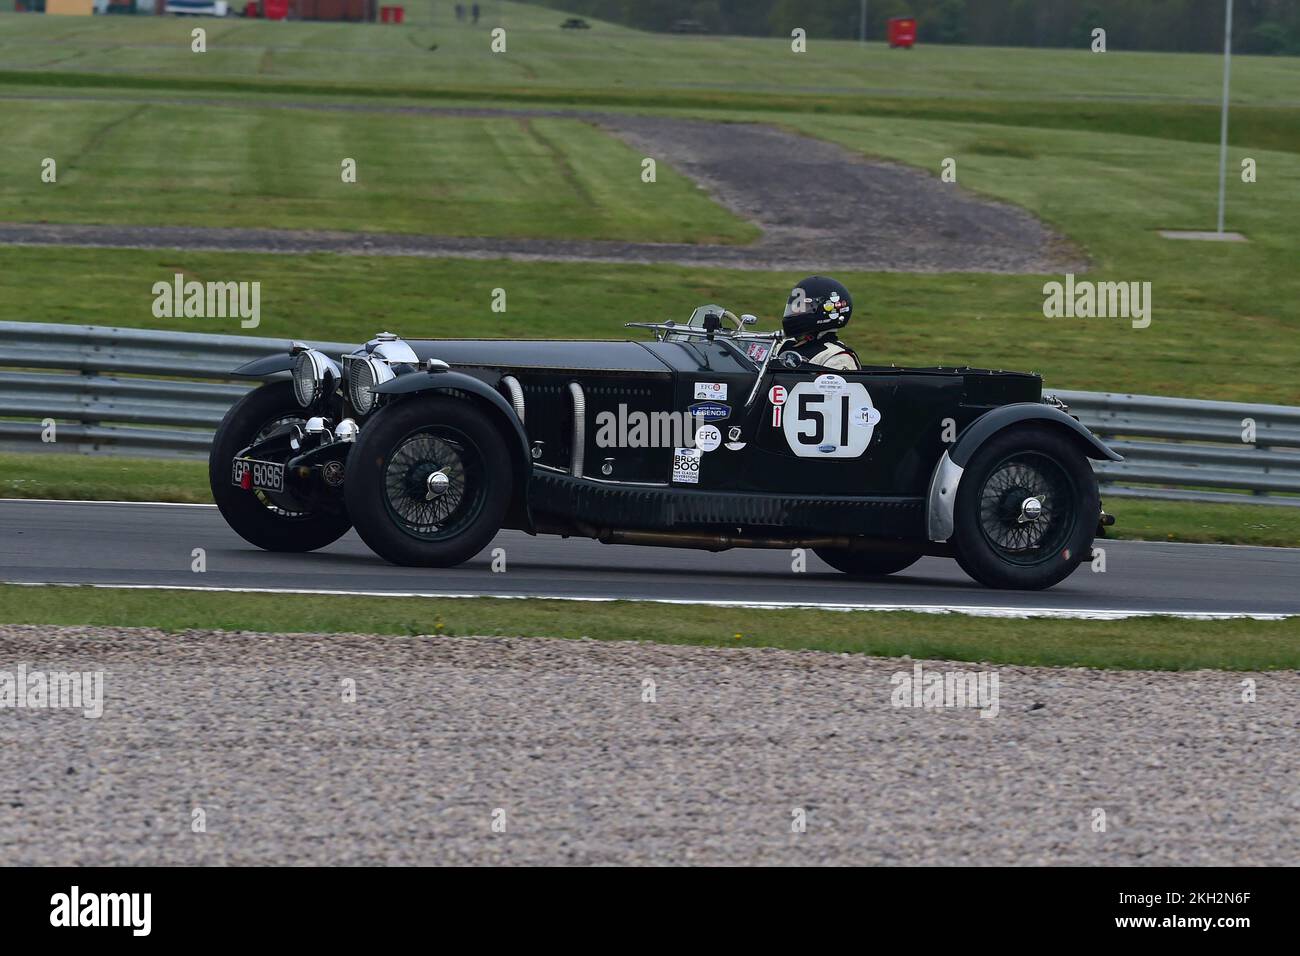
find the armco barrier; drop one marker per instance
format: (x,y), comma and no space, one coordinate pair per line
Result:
(145,393)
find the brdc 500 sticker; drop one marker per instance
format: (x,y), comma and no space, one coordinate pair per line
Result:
(686,465)
(713,390)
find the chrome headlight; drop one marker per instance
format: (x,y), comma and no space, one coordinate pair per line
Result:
(309,370)
(364,375)
(308,376)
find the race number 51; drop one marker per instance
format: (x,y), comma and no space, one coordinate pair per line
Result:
(822,422)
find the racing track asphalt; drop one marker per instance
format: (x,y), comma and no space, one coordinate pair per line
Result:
(151,545)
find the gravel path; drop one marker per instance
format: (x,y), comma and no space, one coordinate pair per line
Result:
(820,207)
(252,729)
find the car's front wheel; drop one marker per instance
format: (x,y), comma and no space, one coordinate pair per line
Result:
(429,481)
(1026,509)
(274,521)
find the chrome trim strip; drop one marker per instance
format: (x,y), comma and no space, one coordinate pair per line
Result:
(942,499)
(579,430)
(516,395)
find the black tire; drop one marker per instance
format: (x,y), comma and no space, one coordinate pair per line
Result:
(272,522)
(390,468)
(996,543)
(868,564)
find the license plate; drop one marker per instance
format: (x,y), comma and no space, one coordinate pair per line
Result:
(266,475)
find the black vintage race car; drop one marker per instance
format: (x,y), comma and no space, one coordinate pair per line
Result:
(708,437)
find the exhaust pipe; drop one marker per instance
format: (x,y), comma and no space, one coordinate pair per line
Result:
(516,395)
(579,430)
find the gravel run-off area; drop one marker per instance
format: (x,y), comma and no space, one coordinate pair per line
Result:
(555,740)
(820,207)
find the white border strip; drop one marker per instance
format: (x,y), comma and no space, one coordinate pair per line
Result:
(970,610)
(110,501)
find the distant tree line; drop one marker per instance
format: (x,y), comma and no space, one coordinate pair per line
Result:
(1259,26)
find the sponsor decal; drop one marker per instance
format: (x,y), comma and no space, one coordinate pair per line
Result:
(714,390)
(709,411)
(686,465)
(827,449)
(864,416)
(830,384)
(776,395)
(733,433)
(708,438)
(757,351)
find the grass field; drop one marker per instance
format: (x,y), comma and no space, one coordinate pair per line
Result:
(110,478)
(1226,324)
(539,55)
(1136,643)
(152,164)
(1225,321)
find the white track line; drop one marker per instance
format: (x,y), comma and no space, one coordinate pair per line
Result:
(81,501)
(971,610)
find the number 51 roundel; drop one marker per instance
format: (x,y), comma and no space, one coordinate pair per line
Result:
(829,418)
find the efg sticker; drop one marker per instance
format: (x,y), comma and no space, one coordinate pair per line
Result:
(714,390)
(708,438)
(830,384)
(686,465)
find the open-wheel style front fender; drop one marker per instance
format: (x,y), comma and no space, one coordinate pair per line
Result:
(942,496)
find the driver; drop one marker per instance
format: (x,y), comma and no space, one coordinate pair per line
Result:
(818,307)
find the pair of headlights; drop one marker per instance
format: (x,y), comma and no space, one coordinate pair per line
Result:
(312,367)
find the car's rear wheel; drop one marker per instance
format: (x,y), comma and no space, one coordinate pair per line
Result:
(272,521)
(868,564)
(429,482)
(1026,509)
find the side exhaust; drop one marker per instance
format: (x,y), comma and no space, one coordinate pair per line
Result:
(579,430)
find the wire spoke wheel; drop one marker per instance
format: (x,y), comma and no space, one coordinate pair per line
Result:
(273,521)
(435,483)
(1027,508)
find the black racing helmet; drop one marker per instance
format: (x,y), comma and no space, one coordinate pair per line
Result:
(816,305)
